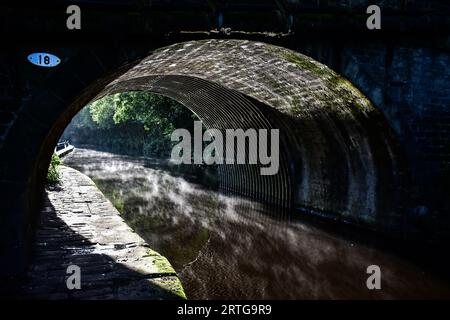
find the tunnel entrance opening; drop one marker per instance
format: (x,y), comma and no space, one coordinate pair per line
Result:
(337,153)
(192,226)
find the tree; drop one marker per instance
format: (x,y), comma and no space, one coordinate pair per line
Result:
(133,122)
(103,111)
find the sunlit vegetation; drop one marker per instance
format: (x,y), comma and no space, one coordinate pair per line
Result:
(53,176)
(137,123)
(117,200)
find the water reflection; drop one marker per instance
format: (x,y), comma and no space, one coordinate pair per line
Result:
(222,247)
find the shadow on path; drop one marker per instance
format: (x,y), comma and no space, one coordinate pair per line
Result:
(105,267)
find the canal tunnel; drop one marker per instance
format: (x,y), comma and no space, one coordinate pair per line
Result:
(338,155)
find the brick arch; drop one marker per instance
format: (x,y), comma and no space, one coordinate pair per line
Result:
(338,158)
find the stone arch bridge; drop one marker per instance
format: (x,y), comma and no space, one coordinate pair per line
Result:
(363,115)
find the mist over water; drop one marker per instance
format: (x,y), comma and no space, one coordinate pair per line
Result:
(225,248)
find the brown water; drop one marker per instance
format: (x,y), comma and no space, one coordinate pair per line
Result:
(223,247)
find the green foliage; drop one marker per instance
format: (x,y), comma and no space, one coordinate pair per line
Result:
(135,122)
(83,120)
(103,111)
(117,200)
(52,173)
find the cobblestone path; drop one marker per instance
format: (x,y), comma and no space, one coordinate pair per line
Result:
(79,226)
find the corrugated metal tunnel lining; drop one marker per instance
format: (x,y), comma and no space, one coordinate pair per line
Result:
(222,108)
(338,155)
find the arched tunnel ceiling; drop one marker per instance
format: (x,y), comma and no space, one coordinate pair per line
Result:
(281,78)
(338,154)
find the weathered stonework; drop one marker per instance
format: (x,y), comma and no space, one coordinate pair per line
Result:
(79,226)
(402,69)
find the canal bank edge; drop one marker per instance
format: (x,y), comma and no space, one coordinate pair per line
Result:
(79,226)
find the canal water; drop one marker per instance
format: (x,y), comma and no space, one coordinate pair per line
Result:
(225,248)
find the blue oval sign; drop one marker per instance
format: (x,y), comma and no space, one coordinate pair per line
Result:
(43,59)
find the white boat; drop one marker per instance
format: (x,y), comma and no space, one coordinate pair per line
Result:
(63,148)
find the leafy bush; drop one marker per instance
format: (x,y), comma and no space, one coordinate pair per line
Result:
(53,174)
(135,123)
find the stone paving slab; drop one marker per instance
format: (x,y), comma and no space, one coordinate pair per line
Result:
(79,226)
